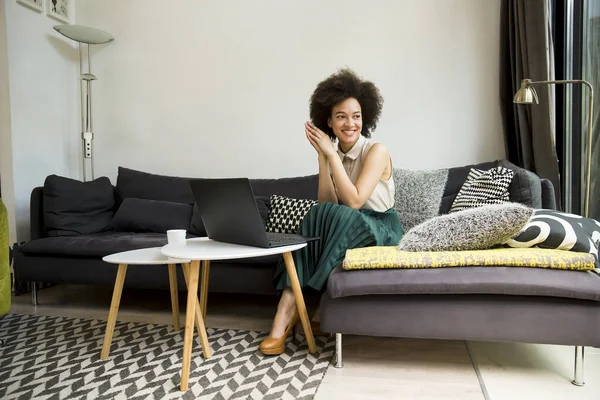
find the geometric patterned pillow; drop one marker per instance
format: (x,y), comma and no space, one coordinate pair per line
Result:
(551,229)
(483,187)
(286,214)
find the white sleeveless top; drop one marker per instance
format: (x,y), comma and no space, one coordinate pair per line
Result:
(382,198)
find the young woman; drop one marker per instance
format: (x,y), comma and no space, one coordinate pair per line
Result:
(356,191)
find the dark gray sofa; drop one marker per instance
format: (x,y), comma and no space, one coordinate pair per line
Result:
(78,259)
(492,304)
(504,304)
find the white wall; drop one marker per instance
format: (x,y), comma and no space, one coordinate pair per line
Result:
(43,74)
(6,168)
(214,88)
(217,88)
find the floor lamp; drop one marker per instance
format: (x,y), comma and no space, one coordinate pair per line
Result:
(85,36)
(526,95)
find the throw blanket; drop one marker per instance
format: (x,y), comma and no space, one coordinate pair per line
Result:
(377,257)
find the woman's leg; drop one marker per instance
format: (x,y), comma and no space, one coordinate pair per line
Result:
(317,315)
(285,312)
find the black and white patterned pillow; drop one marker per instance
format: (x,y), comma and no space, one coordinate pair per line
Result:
(483,187)
(551,229)
(286,214)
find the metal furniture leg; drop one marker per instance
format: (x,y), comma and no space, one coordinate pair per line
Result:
(337,361)
(34,301)
(578,376)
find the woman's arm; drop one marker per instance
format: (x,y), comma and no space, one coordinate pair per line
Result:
(355,196)
(326,188)
(376,163)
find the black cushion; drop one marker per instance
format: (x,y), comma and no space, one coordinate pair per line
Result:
(105,243)
(142,185)
(301,187)
(548,195)
(264,204)
(525,187)
(72,207)
(94,245)
(143,215)
(196,224)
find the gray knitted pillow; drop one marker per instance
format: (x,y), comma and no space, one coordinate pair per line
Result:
(472,229)
(418,194)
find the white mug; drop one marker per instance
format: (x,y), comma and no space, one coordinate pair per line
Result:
(176,236)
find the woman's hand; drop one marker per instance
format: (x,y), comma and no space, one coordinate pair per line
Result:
(319,140)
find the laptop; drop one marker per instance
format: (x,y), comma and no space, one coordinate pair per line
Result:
(230,214)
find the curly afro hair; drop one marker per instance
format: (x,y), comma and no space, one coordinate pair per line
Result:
(338,87)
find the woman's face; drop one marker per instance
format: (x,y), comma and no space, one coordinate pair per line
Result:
(346,122)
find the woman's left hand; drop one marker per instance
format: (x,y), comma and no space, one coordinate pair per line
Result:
(320,138)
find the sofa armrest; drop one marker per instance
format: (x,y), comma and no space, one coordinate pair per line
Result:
(548,195)
(36,213)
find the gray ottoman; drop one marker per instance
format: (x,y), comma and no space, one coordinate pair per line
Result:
(503,304)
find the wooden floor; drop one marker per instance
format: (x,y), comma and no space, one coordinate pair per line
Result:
(374,368)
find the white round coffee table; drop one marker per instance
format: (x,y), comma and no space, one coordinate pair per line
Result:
(206,250)
(149,256)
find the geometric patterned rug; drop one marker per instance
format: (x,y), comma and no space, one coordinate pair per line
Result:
(59,358)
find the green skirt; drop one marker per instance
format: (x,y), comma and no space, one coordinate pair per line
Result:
(339,228)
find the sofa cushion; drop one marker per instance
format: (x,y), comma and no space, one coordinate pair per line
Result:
(418,194)
(477,228)
(286,214)
(143,185)
(525,187)
(72,207)
(466,280)
(301,187)
(105,243)
(196,224)
(264,205)
(378,257)
(551,229)
(456,178)
(483,187)
(93,245)
(143,215)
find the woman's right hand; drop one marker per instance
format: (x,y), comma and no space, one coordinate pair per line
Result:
(313,143)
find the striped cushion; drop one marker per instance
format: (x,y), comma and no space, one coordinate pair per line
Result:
(483,187)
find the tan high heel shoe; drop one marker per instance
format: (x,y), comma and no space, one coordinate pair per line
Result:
(275,346)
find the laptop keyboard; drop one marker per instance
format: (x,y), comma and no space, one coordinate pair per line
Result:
(275,238)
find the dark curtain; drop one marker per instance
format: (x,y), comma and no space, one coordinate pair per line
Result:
(592,69)
(526,51)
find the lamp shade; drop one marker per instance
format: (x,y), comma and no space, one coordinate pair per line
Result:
(88,77)
(526,94)
(84,34)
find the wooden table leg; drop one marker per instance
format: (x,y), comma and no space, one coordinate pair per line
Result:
(192,305)
(291,270)
(174,295)
(198,309)
(114,310)
(204,287)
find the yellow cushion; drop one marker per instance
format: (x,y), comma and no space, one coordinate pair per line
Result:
(378,257)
